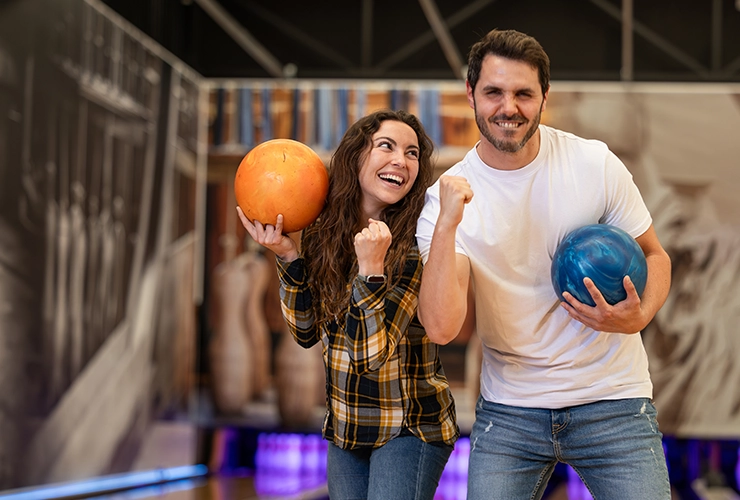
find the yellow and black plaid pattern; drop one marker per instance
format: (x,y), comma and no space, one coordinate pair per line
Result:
(383,372)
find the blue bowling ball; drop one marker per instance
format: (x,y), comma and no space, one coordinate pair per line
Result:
(604,253)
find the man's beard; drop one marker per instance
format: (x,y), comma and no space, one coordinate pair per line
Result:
(502,144)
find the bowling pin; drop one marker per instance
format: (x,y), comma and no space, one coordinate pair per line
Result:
(299,375)
(255,322)
(230,355)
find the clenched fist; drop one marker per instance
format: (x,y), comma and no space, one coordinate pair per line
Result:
(371,245)
(454,193)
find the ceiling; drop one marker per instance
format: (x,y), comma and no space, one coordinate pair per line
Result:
(673,40)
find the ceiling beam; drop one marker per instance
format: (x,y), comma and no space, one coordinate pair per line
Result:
(242,37)
(443,36)
(717,35)
(655,39)
(426,38)
(367,33)
(628,47)
(733,67)
(300,36)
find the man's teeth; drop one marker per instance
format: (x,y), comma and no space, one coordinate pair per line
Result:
(507,124)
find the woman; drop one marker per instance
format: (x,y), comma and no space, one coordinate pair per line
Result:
(354,285)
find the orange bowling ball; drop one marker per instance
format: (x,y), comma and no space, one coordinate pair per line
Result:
(282,176)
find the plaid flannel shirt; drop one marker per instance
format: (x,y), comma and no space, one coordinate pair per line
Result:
(383,373)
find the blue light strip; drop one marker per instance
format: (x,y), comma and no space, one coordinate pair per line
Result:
(105,483)
(154,490)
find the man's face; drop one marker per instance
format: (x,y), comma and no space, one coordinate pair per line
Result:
(508,102)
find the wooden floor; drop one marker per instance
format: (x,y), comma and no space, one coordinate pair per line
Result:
(244,488)
(218,488)
(233,488)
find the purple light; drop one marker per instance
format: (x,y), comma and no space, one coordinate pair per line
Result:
(287,464)
(453,485)
(576,489)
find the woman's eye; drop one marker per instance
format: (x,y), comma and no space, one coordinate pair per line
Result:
(385,144)
(414,153)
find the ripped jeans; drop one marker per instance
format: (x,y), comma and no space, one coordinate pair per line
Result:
(614,446)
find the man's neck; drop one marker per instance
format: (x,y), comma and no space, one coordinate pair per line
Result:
(501,160)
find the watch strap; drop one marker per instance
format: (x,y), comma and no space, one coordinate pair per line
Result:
(372,278)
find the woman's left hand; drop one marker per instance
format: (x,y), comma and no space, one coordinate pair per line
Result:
(371,245)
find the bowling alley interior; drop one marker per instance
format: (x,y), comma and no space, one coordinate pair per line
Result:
(145,353)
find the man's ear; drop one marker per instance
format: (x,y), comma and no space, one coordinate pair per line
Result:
(544,99)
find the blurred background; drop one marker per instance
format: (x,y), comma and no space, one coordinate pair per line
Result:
(141,339)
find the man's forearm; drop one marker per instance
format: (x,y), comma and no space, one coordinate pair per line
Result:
(443,294)
(658,283)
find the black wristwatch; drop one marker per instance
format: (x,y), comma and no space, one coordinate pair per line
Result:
(372,278)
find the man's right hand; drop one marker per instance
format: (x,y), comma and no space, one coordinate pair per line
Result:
(454,193)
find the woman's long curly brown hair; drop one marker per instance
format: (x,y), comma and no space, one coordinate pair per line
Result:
(328,244)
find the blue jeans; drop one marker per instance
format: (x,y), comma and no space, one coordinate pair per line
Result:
(405,468)
(614,446)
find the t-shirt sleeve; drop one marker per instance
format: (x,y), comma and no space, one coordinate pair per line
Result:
(427,220)
(625,207)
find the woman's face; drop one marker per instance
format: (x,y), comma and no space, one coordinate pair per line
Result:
(389,168)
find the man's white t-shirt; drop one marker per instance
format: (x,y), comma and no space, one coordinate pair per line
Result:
(534,354)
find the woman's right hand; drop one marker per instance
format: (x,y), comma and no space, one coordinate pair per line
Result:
(271,237)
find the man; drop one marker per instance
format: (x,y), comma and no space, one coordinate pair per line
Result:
(560,381)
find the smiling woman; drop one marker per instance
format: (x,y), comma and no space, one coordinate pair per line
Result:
(390,168)
(354,287)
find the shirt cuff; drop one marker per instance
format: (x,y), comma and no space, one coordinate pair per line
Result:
(368,295)
(291,273)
